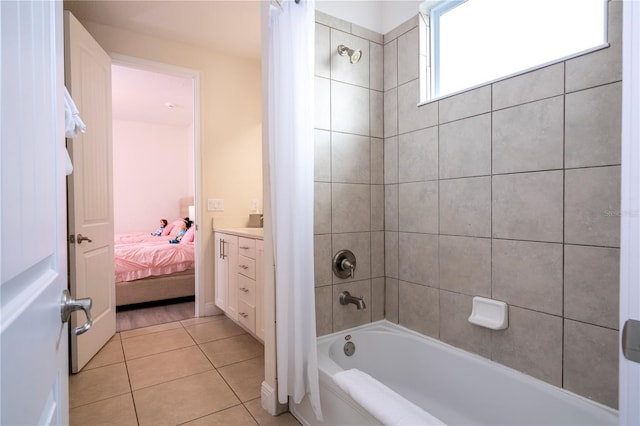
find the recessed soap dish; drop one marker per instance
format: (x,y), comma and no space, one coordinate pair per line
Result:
(489,313)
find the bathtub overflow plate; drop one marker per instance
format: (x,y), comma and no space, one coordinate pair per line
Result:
(349,348)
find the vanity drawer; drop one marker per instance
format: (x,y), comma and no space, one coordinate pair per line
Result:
(247,266)
(247,247)
(246,289)
(247,315)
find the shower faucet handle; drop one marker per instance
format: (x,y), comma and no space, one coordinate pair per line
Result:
(344,264)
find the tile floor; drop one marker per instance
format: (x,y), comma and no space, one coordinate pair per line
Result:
(200,371)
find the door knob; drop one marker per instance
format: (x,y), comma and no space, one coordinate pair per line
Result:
(80,238)
(69,305)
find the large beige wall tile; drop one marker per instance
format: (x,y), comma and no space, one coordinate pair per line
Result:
(411,116)
(466,104)
(528,206)
(455,328)
(349,108)
(350,158)
(419,308)
(529,137)
(418,207)
(532,86)
(465,147)
(465,207)
(418,258)
(591,361)
(391,294)
(531,344)
(528,275)
(592,206)
(592,285)
(465,265)
(322,51)
(322,156)
(594,126)
(418,155)
(408,56)
(350,207)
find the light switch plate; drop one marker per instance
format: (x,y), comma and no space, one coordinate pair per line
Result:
(215,204)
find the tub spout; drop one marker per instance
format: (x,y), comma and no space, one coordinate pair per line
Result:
(346,298)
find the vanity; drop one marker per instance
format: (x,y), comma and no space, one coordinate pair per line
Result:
(239,277)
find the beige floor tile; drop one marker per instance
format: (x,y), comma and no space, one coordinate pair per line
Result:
(111,353)
(200,320)
(245,378)
(118,410)
(163,367)
(234,416)
(149,344)
(115,337)
(265,419)
(98,384)
(214,330)
(184,399)
(233,349)
(149,330)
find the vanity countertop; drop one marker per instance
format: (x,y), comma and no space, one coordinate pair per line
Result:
(243,232)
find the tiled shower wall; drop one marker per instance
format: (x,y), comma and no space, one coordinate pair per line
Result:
(349,190)
(509,191)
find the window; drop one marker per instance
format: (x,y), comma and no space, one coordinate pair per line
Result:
(472,42)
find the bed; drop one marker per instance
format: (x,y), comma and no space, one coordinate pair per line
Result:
(148,268)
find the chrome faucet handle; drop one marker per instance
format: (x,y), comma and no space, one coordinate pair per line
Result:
(344,264)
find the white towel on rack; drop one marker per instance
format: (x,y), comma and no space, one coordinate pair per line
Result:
(383,403)
(72,124)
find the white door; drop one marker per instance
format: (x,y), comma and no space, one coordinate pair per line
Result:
(33,340)
(90,195)
(629,403)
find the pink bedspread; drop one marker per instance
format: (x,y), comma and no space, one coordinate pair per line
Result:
(158,257)
(139,237)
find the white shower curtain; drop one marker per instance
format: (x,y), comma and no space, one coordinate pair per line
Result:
(291,141)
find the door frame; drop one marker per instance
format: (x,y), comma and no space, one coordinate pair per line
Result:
(629,372)
(202,308)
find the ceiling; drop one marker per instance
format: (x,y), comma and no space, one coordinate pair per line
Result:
(141,95)
(230,26)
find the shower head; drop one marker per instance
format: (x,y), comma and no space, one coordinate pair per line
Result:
(354,55)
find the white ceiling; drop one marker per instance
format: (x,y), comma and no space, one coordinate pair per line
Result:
(140,95)
(231,26)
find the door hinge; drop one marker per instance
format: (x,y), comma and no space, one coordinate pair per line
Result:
(71,239)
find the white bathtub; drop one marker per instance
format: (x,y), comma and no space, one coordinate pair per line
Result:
(458,387)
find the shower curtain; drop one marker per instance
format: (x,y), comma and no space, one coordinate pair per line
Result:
(291,145)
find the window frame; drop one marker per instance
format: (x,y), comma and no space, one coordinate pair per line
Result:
(430,12)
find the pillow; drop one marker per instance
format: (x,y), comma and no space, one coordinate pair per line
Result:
(167,229)
(189,236)
(176,226)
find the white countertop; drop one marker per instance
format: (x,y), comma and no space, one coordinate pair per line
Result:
(243,232)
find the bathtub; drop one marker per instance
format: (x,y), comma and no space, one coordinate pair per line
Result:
(458,387)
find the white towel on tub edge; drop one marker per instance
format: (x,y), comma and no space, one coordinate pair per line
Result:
(383,403)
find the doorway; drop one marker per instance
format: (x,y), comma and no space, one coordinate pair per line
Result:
(155,141)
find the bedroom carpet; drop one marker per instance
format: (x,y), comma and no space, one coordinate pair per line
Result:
(199,371)
(154,313)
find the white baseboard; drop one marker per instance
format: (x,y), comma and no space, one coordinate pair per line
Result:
(209,310)
(270,400)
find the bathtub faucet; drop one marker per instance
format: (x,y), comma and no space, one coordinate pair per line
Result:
(346,298)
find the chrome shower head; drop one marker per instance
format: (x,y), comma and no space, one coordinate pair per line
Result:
(354,55)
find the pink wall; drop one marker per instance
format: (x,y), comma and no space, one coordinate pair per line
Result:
(152,170)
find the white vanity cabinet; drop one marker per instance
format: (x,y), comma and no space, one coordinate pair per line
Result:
(239,281)
(226,276)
